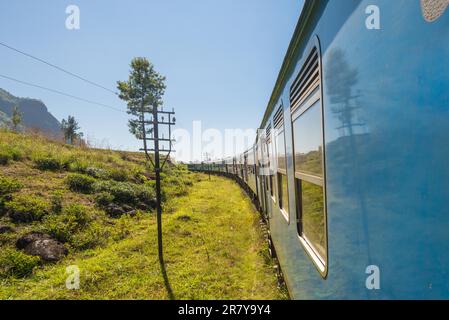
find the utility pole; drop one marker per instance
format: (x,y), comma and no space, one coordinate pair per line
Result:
(154,137)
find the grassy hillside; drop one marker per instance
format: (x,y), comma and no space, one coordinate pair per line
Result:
(98,204)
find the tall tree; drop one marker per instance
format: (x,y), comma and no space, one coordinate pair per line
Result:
(70,128)
(16,117)
(142,92)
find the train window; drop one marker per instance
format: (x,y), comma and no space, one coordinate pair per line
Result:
(270,177)
(279,177)
(283,192)
(309,151)
(308,137)
(266,165)
(280,141)
(269,152)
(282,186)
(313,215)
(265,176)
(282,174)
(245,168)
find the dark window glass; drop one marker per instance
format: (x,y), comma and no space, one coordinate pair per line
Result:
(283,192)
(279,177)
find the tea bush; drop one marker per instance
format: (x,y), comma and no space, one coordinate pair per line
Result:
(5,158)
(16,264)
(80,183)
(104,198)
(8,186)
(126,192)
(78,166)
(118,174)
(56,201)
(50,163)
(64,226)
(9,153)
(26,208)
(97,172)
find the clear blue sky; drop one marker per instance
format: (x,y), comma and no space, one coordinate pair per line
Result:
(221,58)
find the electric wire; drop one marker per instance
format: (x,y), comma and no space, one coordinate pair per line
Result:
(57,67)
(62,93)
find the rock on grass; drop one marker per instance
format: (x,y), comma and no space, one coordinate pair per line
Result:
(43,246)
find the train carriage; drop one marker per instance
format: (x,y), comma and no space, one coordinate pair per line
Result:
(351,158)
(251,170)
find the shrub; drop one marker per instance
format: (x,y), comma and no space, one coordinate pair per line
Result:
(50,163)
(64,226)
(97,172)
(118,174)
(8,153)
(5,158)
(125,192)
(17,264)
(16,154)
(26,208)
(104,198)
(138,176)
(56,202)
(78,166)
(77,213)
(80,183)
(121,191)
(8,186)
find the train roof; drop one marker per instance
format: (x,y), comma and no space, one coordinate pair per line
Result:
(307,10)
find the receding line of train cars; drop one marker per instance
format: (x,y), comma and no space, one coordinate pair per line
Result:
(350,166)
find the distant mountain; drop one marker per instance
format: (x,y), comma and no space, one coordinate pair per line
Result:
(35,113)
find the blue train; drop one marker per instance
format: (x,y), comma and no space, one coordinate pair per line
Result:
(351,165)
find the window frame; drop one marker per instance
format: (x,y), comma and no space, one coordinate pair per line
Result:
(316,95)
(245,167)
(283,174)
(271,180)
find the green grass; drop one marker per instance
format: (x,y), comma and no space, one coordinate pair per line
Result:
(213,250)
(213,246)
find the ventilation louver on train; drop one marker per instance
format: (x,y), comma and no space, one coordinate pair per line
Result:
(278,119)
(268,133)
(307,81)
